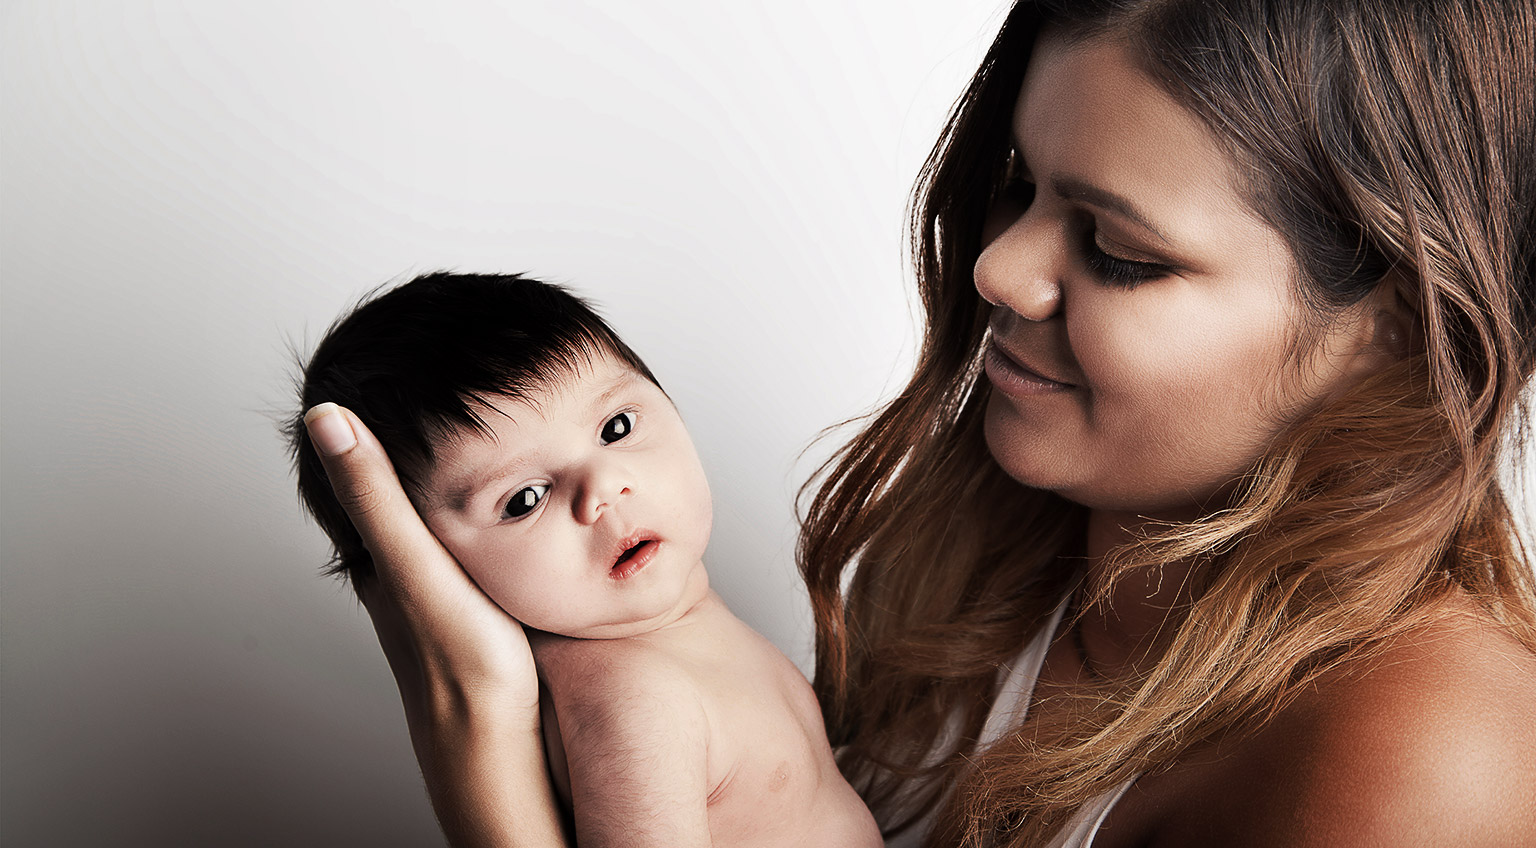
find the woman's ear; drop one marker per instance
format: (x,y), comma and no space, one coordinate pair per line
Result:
(1380,330)
(1391,335)
(1394,321)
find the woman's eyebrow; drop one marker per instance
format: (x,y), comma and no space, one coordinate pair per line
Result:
(1076,188)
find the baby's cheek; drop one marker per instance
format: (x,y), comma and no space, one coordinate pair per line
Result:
(486,564)
(704,505)
(529,601)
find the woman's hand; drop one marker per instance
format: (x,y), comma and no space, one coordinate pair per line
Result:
(432,621)
(463,666)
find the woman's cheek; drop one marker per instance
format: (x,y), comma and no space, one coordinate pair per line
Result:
(1178,413)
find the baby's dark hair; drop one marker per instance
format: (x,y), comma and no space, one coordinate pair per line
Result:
(420,364)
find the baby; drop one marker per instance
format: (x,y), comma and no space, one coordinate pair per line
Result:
(542,452)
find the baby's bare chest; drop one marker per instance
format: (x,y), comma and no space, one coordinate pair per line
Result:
(773,777)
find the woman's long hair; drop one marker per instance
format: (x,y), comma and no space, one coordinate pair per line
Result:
(1387,139)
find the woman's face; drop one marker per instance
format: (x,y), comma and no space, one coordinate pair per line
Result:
(1145,319)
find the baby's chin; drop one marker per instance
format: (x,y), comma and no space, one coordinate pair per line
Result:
(601,630)
(632,620)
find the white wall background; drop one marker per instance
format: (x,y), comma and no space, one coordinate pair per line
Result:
(186,188)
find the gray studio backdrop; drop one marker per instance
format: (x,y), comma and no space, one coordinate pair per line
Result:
(188,190)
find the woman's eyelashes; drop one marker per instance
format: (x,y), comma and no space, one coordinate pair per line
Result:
(1124,273)
(524,501)
(1110,269)
(617,427)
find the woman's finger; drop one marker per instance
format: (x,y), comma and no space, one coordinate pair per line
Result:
(425,609)
(365,484)
(394,637)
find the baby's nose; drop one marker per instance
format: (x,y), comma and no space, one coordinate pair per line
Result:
(603,490)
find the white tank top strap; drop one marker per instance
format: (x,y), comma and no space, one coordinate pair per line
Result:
(1015,691)
(1084,825)
(1018,680)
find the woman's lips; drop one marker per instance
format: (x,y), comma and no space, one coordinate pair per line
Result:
(1007,374)
(633,558)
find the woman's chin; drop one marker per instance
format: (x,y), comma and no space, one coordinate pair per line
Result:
(1028,456)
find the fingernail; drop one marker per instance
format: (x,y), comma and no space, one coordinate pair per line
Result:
(329,429)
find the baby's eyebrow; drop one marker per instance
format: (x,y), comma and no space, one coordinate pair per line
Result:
(625,381)
(455,492)
(453,500)
(455,496)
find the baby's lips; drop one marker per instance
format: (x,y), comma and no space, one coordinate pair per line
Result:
(635,558)
(627,544)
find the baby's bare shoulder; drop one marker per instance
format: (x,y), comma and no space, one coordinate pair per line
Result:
(578,671)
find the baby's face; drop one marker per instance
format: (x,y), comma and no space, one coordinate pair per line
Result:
(586,514)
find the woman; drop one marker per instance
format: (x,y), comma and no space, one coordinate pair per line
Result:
(1229,307)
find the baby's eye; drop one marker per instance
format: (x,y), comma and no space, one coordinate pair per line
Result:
(524,501)
(618,427)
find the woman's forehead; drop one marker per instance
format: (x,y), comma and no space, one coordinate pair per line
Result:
(1091,121)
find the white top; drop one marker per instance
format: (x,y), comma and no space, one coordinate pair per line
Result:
(1009,710)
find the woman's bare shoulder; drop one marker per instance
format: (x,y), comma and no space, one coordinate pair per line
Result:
(1431,742)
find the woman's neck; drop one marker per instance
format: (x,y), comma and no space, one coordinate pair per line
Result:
(1123,635)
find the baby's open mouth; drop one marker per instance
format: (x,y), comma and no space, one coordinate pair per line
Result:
(634,558)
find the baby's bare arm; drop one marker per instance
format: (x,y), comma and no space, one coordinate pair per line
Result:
(636,741)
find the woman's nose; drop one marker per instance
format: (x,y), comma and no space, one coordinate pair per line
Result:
(1021,268)
(603,486)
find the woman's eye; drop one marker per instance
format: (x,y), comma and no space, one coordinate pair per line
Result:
(1124,273)
(524,501)
(1018,190)
(1017,186)
(618,427)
